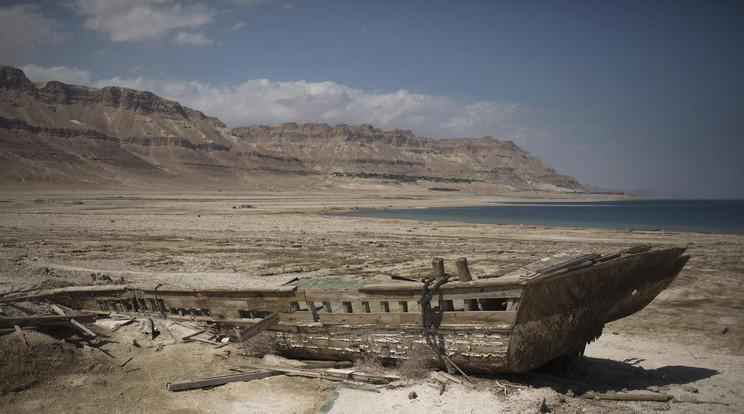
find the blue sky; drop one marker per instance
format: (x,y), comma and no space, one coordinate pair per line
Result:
(625,94)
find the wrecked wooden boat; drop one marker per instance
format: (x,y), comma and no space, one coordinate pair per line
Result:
(546,311)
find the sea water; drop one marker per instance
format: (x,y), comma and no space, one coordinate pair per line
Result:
(717,216)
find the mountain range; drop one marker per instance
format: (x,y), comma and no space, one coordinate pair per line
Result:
(54,135)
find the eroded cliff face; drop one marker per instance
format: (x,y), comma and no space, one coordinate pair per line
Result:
(363,150)
(56,134)
(53,134)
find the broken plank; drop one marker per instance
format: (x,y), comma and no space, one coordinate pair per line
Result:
(82,327)
(628,397)
(193,334)
(21,334)
(191,384)
(250,331)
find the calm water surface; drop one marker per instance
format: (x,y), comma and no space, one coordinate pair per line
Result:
(718,216)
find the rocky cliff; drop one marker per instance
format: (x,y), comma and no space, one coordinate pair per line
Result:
(365,151)
(57,135)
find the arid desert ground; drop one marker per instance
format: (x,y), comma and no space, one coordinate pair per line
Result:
(688,342)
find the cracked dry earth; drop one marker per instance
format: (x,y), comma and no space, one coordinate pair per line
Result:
(695,325)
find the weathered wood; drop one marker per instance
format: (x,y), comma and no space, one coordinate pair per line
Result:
(250,331)
(339,374)
(21,334)
(82,328)
(463,272)
(627,397)
(409,318)
(193,334)
(43,320)
(327,307)
(438,266)
(191,384)
(305,365)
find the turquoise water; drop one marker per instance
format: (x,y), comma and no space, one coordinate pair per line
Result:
(716,216)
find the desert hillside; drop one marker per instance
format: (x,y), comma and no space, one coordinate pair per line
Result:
(54,135)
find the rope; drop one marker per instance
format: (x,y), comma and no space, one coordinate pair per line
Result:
(427,322)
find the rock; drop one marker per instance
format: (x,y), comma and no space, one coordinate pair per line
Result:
(724,331)
(412,395)
(690,388)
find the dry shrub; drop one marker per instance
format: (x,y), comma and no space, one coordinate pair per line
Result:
(369,363)
(260,345)
(416,366)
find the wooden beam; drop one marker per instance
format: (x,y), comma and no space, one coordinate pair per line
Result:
(438,264)
(463,271)
(628,397)
(250,331)
(43,320)
(191,384)
(82,328)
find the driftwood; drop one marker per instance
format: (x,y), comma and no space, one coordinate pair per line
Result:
(191,384)
(628,397)
(331,374)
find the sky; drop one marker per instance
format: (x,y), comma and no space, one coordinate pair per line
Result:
(623,95)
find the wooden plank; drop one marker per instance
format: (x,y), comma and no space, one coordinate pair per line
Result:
(339,374)
(21,334)
(627,397)
(193,334)
(82,328)
(42,320)
(191,384)
(250,331)
(394,319)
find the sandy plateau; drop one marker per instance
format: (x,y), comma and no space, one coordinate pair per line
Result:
(689,342)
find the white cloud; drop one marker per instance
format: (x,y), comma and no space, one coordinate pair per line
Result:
(197,39)
(236,26)
(142,20)
(23,29)
(261,101)
(64,74)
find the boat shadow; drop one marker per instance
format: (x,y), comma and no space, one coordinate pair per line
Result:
(605,375)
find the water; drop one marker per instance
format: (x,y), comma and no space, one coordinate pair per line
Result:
(717,216)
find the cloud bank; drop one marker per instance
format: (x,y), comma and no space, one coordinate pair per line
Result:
(261,101)
(23,28)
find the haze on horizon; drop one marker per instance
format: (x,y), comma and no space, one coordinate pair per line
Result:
(621,95)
